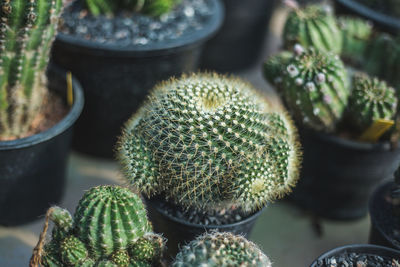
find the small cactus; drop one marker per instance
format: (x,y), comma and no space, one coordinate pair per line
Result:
(371,99)
(312,26)
(221,250)
(109,221)
(27,30)
(314,86)
(206,141)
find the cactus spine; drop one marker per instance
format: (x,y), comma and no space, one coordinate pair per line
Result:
(221,249)
(110,228)
(27,30)
(206,141)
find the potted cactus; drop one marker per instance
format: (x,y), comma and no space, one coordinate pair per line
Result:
(35,120)
(120,49)
(221,249)
(334,108)
(109,228)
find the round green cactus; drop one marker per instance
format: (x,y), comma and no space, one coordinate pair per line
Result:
(370,100)
(221,250)
(120,258)
(194,138)
(51,255)
(73,251)
(64,222)
(275,66)
(312,26)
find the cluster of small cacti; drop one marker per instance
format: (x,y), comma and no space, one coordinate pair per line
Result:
(148,7)
(109,228)
(221,250)
(208,141)
(27,30)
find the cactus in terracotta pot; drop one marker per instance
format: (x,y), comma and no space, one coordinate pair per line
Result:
(207,141)
(109,228)
(221,249)
(27,31)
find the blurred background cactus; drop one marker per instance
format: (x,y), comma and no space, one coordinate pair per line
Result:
(109,228)
(147,7)
(27,31)
(207,141)
(221,249)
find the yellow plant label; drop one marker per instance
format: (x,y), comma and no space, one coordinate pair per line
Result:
(70,92)
(376,130)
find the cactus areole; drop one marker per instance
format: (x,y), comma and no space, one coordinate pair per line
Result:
(207,141)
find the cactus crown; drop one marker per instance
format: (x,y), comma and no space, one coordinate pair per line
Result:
(221,249)
(147,7)
(110,225)
(27,31)
(207,140)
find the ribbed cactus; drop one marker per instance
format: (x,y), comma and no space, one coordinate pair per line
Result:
(207,140)
(314,86)
(313,26)
(148,7)
(27,30)
(371,99)
(221,250)
(110,228)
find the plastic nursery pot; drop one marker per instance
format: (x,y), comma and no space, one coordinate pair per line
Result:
(383,21)
(179,232)
(338,175)
(369,250)
(116,79)
(33,169)
(384,224)
(238,44)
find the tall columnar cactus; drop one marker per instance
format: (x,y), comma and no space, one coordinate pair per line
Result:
(371,99)
(207,140)
(313,26)
(314,86)
(148,7)
(27,30)
(222,250)
(110,228)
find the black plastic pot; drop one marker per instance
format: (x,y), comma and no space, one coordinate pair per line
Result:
(32,169)
(117,79)
(359,249)
(383,222)
(384,22)
(238,44)
(338,175)
(179,232)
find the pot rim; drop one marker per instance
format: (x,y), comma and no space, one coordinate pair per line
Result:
(59,127)
(210,28)
(365,248)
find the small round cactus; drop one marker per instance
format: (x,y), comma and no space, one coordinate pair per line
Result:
(313,26)
(371,99)
(222,250)
(206,141)
(314,86)
(72,251)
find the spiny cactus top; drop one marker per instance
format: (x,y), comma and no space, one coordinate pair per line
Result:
(314,85)
(27,30)
(207,140)
(371,99)
(222,250)
(313,26)
(110,225)
(148,7)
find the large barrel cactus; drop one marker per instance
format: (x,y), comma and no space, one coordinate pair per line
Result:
(27,30)
(313,26)
(207,141)
(109,228)
(221,250)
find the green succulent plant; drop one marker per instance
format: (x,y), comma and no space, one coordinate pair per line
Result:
(312,26)
(27,31)
(222,250)
(109,228)
(207,141)
(147,7)
(371,99)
